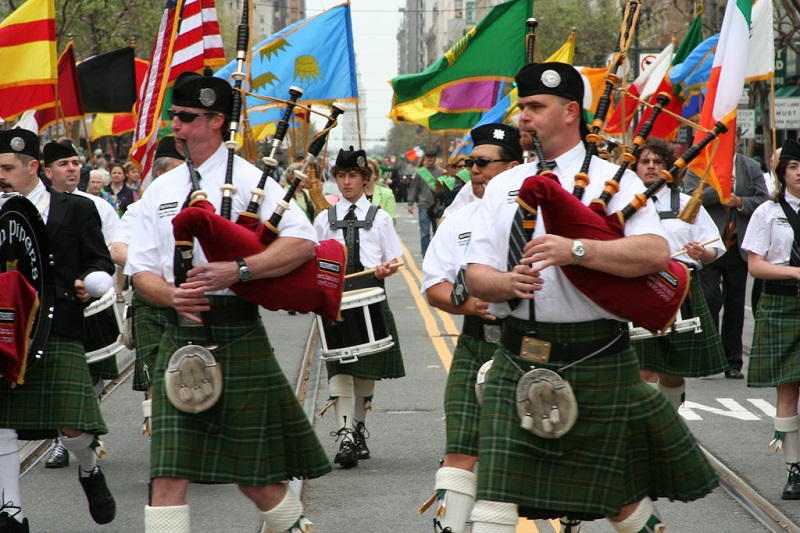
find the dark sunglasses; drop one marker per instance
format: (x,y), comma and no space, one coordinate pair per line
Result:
(186,116)
(483,162)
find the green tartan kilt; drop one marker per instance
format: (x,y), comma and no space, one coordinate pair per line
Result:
(387,364)
(57,393)
(105,369)
(256,434)
(686,354)
(149,321)
(627,443)
(461,408)
(775,353)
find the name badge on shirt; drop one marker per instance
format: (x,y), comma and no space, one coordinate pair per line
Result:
(512,196)
(463,238)
(169,209)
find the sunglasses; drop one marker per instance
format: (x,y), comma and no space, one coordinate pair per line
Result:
(186,116)
(483,162)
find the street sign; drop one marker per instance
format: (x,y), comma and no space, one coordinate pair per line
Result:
(787,113)
(746,119)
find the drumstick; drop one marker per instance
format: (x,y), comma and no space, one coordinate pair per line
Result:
(676,254)
(393,267)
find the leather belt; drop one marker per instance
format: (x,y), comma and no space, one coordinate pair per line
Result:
(482,330)
(221,314)
(781,289)
(568,351)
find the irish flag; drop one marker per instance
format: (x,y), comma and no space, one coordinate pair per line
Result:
(724,90)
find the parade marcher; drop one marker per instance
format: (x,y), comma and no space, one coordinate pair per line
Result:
(372,243)
(773,255)
(58,391)
(380,194)
(149,320)
(62,167)
(455,480)
(627,444)
(256,434)
(665,360)
(725,280)
(425,191)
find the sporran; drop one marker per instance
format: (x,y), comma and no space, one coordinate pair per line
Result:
(193,379)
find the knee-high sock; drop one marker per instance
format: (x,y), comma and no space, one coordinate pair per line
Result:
(284,515)
(494,517)
(790,426)
(166,519)
(363,389)
(456,505)
(341,386)
(673,394)
(80,446)
(644,515)
(9,471)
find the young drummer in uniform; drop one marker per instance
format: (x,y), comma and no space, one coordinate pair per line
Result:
(372,244)
(496,149)
(771,243)
(667,359)
(57,392)
(256,434)
(627,444)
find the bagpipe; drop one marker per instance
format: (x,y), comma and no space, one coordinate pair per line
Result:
(27,290)
(651,301)
(315,286)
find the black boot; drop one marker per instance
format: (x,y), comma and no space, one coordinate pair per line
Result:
(360,436)
(346,456)
(792,489)
(59,456)
(8,521)
(102,506)
(569,526)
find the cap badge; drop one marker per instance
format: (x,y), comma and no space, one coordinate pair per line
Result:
(207,97)
(17,144)
(499,134)
(361,162)
(551,79)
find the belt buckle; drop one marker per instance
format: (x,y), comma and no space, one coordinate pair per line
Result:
(184,322)
(535,350)
(491,333)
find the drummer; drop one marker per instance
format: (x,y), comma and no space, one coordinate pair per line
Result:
(58,390)
(62,167)
(496,149)
(667,359)
(373,244)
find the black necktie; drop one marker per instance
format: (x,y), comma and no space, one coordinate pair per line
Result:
(516,243)
(352,242)
(794,260)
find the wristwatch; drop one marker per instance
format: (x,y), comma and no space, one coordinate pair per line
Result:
(578,252)
(244,272)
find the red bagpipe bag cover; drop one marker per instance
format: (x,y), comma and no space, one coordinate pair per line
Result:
(650,301)
(18,306)
(314,286)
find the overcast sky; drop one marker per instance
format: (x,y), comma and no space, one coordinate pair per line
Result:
(375,25)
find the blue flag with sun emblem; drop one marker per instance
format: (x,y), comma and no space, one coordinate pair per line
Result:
(315,54)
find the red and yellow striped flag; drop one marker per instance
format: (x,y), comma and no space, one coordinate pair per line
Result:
(28,58)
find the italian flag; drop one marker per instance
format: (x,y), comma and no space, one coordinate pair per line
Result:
(724,90)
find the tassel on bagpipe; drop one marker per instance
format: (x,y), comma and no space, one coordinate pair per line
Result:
(650,301)
(316,286)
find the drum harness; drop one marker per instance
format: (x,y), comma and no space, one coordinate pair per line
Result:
(350,226)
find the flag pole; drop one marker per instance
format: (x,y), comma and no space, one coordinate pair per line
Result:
(358,125)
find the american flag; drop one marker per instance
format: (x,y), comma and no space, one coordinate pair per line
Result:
(188,39)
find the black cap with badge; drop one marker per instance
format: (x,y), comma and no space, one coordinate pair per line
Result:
(204,92)
(553,77)
(19,141)
(352,159)
(53,151)
(502,135)
(166,148)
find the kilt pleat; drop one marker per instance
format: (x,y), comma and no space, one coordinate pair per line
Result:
(149,322)
(105,369)
(775,352)
(627,443)
(256,434)
(387,364)
(686,354)
(57,393)
(461,409)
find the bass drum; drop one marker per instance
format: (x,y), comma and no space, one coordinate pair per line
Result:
(102,328)
(24,248)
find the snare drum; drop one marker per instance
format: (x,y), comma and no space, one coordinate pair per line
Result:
(362,331)
(679,326)
(102,328)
